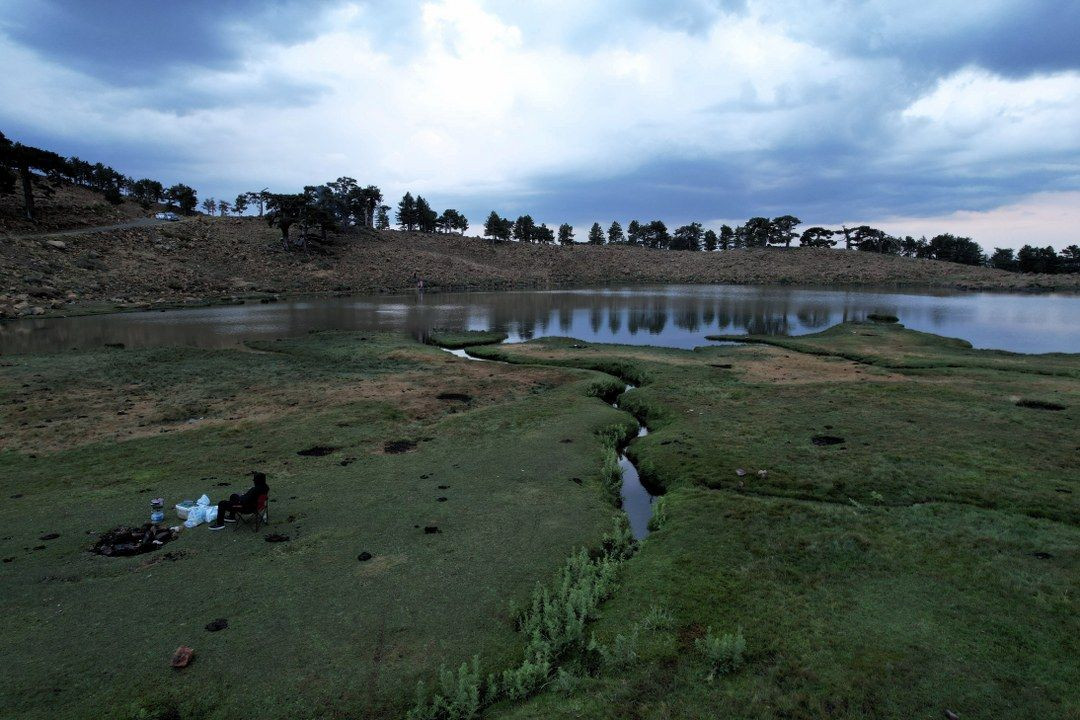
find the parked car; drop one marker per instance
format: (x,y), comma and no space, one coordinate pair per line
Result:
(166,216)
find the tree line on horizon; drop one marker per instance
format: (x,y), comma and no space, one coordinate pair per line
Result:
(760,232)
(343,203)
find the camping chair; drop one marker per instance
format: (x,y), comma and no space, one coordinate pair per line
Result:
(257,517)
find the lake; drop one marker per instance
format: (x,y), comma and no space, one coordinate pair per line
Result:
(671,315)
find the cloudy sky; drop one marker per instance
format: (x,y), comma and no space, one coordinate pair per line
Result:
(953,116)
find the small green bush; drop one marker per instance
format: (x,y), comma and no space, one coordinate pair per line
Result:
(553,622)
(658,618)
(724,653)
(659,514)
(623,651)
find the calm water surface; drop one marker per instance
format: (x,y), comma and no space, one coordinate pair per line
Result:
(672,315)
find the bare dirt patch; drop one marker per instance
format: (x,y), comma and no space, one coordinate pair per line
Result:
(776,365)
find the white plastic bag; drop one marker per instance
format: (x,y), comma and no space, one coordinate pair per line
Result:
(195,516)
(201,512)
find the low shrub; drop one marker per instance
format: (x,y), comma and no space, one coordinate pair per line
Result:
(724,653)
(552,623)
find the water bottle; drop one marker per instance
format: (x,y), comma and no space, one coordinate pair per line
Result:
(157,511)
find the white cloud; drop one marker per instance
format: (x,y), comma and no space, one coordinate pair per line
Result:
(974,118)
(481,99)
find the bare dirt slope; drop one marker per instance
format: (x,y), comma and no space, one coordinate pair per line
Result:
(66,207)
(208,258)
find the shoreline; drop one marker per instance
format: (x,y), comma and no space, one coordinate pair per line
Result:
(204,261)
(89,308)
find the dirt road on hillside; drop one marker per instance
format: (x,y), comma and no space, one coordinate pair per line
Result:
(141,222)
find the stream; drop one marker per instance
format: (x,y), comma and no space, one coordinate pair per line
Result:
(636,500)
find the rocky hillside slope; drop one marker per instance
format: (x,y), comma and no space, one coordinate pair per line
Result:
(217,258)
(65,207)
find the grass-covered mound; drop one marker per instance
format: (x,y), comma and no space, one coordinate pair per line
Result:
(394,563)
(456,339)
(921,560)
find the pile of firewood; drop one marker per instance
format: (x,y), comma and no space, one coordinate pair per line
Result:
(124,541)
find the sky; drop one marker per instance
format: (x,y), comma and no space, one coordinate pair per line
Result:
(919,118)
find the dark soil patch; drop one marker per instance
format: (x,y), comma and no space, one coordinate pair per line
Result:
(882,318)
(576,480)
(444,487)
(49,536)
(722,366)
(118,346)
(1042,555)
(566,440)
(1039,405)
(317,451)
(219,624)
(396,447)
(347,461)
(222,484)
(459,397)
(276,538)
(431,529)
(126,541)
(826,440)
(16,496)
(441,499)
(364,556)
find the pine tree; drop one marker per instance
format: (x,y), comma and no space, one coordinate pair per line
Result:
(727,237)
(615,234)
(633,233)
(382,218)
(596,234)
(425,218)
(524,228)
(566,234)
(493,226)
(406,212)
(544,234)
(710,241)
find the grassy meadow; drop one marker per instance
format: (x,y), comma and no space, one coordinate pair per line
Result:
(887,519)
(928,562)
(88,438)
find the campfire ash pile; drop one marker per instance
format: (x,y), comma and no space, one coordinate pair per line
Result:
(124,541)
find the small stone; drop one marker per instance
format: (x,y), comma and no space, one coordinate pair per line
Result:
(740,472)
(57,244)
(219,624)
(763,473)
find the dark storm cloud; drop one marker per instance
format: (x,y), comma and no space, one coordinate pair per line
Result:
(1013,38)
(140,43)
(816,188)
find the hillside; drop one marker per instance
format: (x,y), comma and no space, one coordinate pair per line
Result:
(66,207)
(215,258)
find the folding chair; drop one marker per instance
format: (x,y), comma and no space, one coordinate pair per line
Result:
(257,517)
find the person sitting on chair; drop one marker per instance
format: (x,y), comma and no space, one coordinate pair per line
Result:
(246,503)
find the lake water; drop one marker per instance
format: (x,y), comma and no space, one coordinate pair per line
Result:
(673,316)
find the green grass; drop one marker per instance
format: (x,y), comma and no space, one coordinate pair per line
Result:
(312,631)
(926,563)
(897,347)
(456,339)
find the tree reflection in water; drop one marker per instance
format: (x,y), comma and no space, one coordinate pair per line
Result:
(639,315)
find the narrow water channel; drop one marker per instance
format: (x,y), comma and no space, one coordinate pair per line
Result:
(635,499)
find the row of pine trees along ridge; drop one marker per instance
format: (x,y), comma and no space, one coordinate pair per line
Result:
(343,203)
